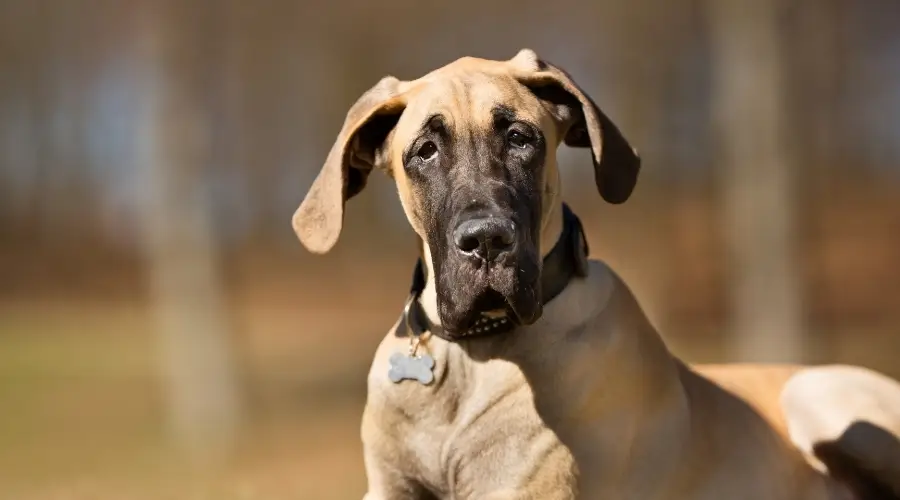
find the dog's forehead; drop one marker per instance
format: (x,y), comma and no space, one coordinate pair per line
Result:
(465,94)
(470,65)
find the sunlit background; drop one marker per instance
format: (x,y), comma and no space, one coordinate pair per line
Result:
(163,335)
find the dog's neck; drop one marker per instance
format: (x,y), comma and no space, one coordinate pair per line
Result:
(564,253)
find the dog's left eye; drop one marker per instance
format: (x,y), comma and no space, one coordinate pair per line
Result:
(518,139)
(427,151)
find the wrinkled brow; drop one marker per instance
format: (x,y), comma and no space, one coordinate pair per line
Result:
(434,123)
(503,114)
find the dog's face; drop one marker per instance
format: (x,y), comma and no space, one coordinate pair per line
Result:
(472,159)
(471,147)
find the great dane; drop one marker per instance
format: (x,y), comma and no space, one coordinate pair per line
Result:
(519,369)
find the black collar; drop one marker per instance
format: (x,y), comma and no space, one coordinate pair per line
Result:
(566,260)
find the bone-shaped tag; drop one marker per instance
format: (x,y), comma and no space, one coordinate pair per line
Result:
(417,367)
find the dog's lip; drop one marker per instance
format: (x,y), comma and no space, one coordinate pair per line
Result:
(471,322)
(508,311)
(465,329)
(513,314)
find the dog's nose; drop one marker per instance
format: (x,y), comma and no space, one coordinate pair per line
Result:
(485,237)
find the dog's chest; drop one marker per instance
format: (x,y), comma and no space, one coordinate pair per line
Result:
(472,431)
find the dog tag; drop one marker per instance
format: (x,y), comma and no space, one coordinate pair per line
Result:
(411,367)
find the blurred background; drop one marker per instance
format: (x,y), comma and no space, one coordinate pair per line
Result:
(164,336)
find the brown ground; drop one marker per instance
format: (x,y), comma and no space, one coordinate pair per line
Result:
(82,415)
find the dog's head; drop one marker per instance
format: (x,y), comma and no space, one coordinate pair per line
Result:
(471,147)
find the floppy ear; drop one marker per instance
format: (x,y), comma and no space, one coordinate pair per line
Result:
(616,163)
(354,154)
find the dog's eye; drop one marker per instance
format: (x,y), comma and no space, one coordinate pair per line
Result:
(427,151)
(518,139)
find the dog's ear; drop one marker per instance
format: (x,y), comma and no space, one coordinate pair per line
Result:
(616,163)
(356,151)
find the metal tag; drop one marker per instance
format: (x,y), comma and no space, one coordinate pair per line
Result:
(411,367)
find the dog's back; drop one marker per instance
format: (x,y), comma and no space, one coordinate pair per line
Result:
(844,419)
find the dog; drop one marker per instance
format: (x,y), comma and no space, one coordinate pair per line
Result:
(521,369)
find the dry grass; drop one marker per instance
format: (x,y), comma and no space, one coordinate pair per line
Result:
(83,418)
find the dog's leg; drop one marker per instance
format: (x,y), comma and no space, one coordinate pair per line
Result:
(386,482)
(390,496)
(395,489)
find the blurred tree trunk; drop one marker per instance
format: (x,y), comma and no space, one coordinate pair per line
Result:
(654,35)
(757,208)
(180,249)
(818,58)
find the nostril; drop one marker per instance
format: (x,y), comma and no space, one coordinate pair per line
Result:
(505,236)
(467,243)
(499,243)
(485,237)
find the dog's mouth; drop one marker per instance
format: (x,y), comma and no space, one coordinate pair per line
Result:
(478,289)
(493,305)
(491,308)
(497,296)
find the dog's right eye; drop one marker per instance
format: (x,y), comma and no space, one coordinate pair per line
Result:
(427,151)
